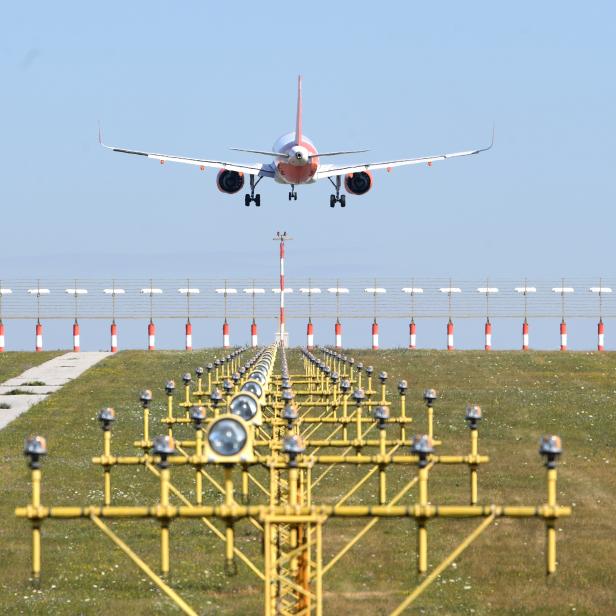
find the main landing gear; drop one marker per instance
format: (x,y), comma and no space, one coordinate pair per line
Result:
(293,194)
(337,198)
(250,197)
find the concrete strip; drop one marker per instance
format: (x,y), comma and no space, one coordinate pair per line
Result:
(54,373)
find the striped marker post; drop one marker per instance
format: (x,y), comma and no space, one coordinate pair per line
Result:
(412,335)
(225,335)
(450,346)
(1,337)
(375,335)
(188,346)
(309,335)
(114,337)
(488,336)
(76,337)
(563,291)
(600,335)
(254,340)
(39,337)
(525,345)
(524,291)
(338,334)
(151,336)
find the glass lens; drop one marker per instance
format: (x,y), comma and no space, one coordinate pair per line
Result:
(227,437)
(244,406)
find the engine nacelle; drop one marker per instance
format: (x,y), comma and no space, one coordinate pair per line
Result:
(229,182)
(358,183)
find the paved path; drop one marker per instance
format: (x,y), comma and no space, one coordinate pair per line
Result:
(54,373)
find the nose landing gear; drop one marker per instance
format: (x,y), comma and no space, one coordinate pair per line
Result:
(293,194)
(250,197)
(337,198)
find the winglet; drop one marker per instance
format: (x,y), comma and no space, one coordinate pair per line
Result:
(298,120)
(100,134)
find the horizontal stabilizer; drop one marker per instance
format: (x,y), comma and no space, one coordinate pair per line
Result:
(263,152)
(319,154)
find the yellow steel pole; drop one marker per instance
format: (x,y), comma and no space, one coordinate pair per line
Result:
(550,524)
(345,415)
(146,427)
(170,414)
(245,485)
(382,473)
(107,467)
(164,587)
(422,531)
(36,526)
(403,415)
(431,422)
(293,474)
(164,524)
(230,533)
(198,474)
(319,569)
(473,467)
(442,566)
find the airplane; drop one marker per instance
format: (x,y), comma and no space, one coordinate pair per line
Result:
(296,161)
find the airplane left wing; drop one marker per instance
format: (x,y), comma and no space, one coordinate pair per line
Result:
(254,169)
(328,171)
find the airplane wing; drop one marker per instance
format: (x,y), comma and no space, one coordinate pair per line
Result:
(328,171)
(255,169)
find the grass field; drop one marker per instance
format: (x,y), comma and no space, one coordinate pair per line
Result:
(13,363)
(522,395)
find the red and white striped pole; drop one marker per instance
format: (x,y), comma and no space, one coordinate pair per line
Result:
(309,335)
(488,336)
(151,335)
(600,335)
(254,340)
(525,346)
(375,335)
(39,337)
(188,345)
(114,337)
(1,337)
(76,342)
(338,334)
(412,335)
(450,346)
(563,335)
(225,335)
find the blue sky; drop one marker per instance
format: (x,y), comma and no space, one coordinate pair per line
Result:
(400,78)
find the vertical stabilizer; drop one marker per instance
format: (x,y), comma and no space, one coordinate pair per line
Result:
(298,121)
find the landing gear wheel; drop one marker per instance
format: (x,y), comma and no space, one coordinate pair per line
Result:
(293,196)
(342,200)
(247,200)
(332,200)
(257,200)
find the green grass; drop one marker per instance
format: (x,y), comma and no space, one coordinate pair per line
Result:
(13,363)
(522,395)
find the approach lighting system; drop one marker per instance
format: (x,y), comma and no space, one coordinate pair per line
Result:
(550,447)
(246,405)
(229,441)
(35,448)
(473,415)
(253,387)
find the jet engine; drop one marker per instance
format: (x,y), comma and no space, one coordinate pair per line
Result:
(229,182)
(358,183)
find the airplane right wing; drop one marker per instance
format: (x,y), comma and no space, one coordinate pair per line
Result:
(328,171)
